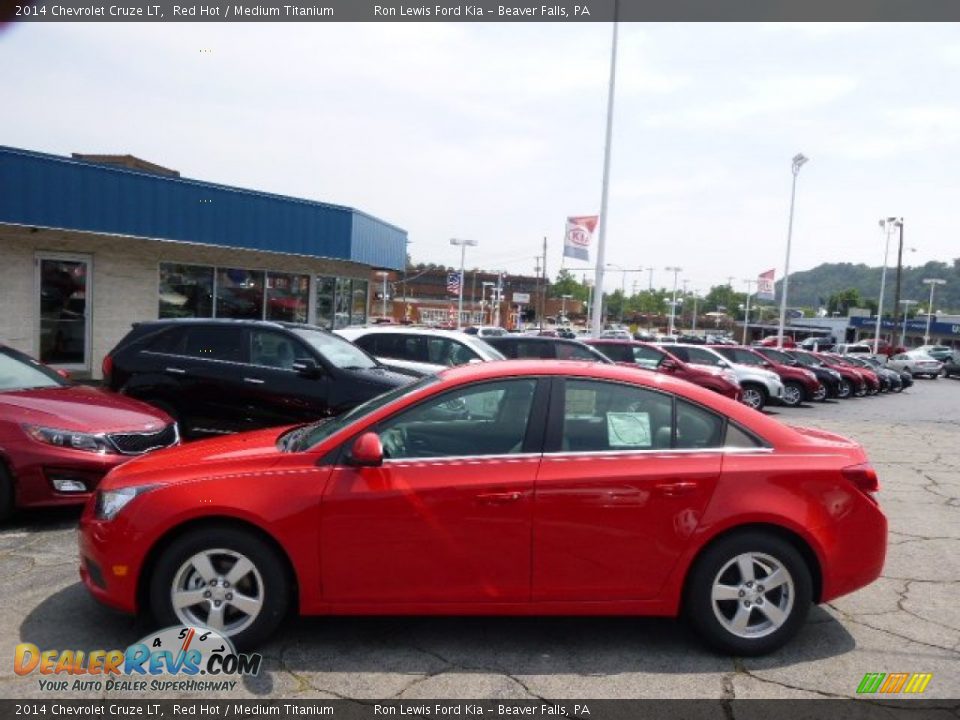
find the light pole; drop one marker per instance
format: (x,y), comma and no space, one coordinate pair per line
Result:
(746,314)
(462,244)
(673,303)
(798,160)
(906,311)
(695,299)
(383,298)
(887,225)
(932,282)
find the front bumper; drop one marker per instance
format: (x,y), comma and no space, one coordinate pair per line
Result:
(109,560)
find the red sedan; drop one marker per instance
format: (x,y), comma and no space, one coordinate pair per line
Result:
(516,487)
(58,439)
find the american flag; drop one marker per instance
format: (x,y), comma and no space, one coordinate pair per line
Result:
(453,283)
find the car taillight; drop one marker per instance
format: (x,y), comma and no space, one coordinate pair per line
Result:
(107,367)
(864,477)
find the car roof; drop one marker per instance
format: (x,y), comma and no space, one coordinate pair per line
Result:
(279,324)
(532,338)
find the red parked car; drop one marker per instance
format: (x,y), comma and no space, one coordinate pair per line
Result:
(510,488)
(58,439)
(799,384)
(859,385)
(870,377)
(646,356)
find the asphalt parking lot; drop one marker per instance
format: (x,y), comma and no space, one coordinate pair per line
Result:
(908,621)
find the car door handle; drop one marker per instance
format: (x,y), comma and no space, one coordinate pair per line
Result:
(254,381)
(499,498)
(676,488)
(176,370)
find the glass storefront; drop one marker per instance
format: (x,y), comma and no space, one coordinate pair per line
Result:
(206,291)
(63,311)
(185,291)
(288,297)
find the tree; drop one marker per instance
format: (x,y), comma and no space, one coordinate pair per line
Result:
(567,284)
(841,302)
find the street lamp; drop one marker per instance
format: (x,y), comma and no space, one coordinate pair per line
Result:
(462,244)
(623,284)
(887,226)
(383,298)
(798,160)
(932,282)
(906,311)
(696,297)
(746,313)
(673,304)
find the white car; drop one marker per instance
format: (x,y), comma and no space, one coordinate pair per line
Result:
(855,349)
(424,351)
(916,363)
(614,334)
(759,386)
(486,331)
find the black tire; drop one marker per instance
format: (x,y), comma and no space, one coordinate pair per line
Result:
(273,584)
(699,604)
(756,394)
(6,493)
(793,393)
(844,389)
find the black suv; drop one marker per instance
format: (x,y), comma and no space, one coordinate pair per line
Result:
(535,346)
(220,376)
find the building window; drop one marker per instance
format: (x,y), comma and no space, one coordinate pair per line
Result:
(185,291)
(240,293)
(326,289)
(341,303)
(287,297)
(358,316)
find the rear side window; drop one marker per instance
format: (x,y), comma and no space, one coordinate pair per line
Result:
(533,350)
(169,341)
(737,437)
(603,416)
(698,427)
(569,351)
(214,343)
(617,353)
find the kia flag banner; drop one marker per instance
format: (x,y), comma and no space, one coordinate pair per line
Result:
(576,241)
(765,286)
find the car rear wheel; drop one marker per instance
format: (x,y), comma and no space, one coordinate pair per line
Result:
(221,578)
(792,394)
(749,593)
(844,389)
(754,396)
(6,493)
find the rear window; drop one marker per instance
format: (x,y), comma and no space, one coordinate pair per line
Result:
(212,342)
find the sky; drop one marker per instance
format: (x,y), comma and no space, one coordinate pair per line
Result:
(495,131)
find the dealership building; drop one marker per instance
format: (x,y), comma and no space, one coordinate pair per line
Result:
(93,243)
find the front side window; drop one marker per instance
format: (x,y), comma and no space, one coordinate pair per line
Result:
(697,356)
(185,291)
(569,351)
(604,417)
(647,357)
(532,350)
(277,350)
(443,351)
(484,419)
(744,357)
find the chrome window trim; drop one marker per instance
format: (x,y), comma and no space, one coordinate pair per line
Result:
(462,458)
(585,455)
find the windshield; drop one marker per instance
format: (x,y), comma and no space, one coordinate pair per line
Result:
(338,352)
(21,372)
(779,357)
(808,360)
(308,436)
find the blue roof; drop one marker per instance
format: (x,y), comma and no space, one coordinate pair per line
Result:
(58,192)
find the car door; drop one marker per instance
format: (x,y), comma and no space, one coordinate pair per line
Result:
(277,393)
(210,366)
(625,477)
(447,517)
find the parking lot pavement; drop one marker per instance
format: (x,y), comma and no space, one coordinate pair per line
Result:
(909,621)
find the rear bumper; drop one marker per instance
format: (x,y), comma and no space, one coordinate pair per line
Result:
(857,553)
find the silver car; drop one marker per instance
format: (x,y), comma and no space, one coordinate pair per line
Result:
(759,386)
(916,363)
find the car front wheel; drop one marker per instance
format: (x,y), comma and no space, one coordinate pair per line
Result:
(754,397)
(749,593)
(222,578)
(792,394)
(844,389)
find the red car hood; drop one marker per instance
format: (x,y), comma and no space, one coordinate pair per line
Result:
(200,460)
(80,408)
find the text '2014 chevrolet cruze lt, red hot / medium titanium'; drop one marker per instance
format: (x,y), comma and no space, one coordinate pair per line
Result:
(515,487)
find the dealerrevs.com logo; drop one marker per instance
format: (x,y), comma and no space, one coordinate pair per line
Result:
(179,659)
(894,683)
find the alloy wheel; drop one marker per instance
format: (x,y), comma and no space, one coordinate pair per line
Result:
(753,595)
(844,390)
(821,394)
(220,589)
(752,397)
(792,395)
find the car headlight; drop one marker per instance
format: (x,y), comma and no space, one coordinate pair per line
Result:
(835,375)
(810,375)
(68,439)
(731,376)
(110,502)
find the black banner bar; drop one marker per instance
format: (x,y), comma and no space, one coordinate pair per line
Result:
(479,11)
(827,709)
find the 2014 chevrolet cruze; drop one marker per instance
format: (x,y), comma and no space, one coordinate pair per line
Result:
(514,487)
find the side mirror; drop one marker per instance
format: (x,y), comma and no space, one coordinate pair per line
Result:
(367,451)
(307,367)
(669,364)
(65,374)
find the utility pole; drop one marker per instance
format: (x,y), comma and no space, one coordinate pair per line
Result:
(650,288)
(543,295)
(746,313)
(896,292)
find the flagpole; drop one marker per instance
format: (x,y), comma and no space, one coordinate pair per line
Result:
(597,310)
